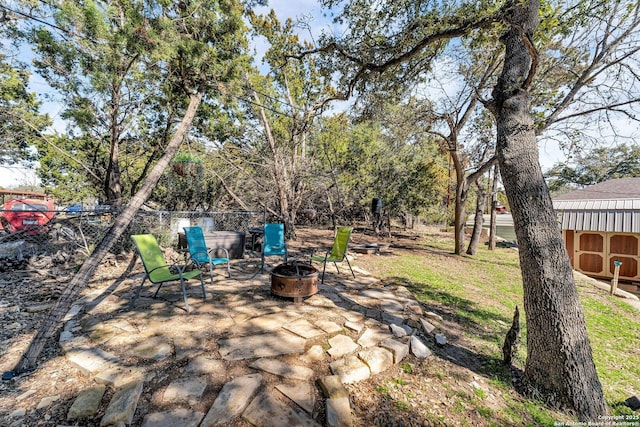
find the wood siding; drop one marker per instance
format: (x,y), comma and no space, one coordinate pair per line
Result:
(593,253)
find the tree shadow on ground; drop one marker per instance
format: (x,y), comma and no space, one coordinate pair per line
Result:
(476,319)
(453,309)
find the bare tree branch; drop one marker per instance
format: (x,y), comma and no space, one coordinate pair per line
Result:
(612,107)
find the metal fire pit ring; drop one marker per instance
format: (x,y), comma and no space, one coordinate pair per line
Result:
(294,280)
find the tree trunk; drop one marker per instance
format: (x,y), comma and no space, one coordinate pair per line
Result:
(559,362)
(281,176)
(52,322)
(113,186)
(472,249)
(494,205)
(462,189)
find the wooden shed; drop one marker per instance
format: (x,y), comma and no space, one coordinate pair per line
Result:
(600,225)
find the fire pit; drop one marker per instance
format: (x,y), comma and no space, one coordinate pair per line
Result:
(294,280)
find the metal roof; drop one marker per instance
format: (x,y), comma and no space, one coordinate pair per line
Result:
(612,215)
(622,188)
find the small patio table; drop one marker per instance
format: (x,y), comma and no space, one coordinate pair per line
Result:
(256,233)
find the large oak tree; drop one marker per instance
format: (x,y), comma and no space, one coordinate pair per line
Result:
(398,40)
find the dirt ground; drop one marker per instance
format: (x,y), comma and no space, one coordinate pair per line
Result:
(456,386)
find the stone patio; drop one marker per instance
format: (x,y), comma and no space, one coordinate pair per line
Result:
(243,354)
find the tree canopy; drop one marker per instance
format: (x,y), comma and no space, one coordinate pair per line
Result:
(593,166)
(20,120)
(121,70)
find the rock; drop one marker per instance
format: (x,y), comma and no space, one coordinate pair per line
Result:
(25,395)
(338,412)
(428,327)
(91,360)
(123,405)
(304,328)
(391,318)
(318,300)
(440,339)
(377,359)
(38,308)
(397,330)
(232,400)
(154,348)
(314,354)
(118,376)
(186,347)
(46,401)
(267,411)
(69,343)
(414,307)
(373,336)
(301,393)
(186,389)
(352,316)
(205,365)
(87,403)
(285,370)
(354,326)
(350,369)
(18,413)
(391,306)
(332,387)
(418,348)
(433,316)
(633,402)
(398,349)
(177,417)
(341,345)
(329,326)
(400,330)
(262,345)
(268,322)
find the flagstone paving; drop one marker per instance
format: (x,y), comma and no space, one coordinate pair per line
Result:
(243,354)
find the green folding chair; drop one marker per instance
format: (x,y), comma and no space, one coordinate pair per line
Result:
(338,252)
(158,271)
(200,255)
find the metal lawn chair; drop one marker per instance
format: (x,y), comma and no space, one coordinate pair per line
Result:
(200,255)
(338,252)
(158,271)
(273,242)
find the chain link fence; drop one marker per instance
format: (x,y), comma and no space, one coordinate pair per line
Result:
(66,238)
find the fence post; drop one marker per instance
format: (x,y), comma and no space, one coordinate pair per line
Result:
(616,272)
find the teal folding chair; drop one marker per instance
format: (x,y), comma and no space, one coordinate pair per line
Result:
(158,271)
(338,251)
(273,242)
(200,255)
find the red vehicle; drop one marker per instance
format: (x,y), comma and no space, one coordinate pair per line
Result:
(26,215)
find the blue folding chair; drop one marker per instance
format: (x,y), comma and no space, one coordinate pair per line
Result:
(199,254)
(273,242)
